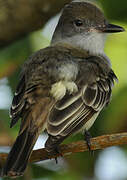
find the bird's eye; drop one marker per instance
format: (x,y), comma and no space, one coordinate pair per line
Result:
(78,22)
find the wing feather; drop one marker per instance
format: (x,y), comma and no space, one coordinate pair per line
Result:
(18,102)
(74,111)
(59,116)
(57,129)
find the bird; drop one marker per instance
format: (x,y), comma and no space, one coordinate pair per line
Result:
(63,87)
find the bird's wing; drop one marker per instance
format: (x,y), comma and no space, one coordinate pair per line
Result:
(18,102)
(32,92)
(73,111)
(32,106)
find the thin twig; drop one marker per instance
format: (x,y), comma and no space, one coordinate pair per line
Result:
(99,142)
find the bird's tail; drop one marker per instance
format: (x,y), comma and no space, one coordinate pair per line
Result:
(19,155)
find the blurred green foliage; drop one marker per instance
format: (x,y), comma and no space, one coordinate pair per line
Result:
(112,119)
(115,9)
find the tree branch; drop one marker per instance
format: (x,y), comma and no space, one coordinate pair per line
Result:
(99,142)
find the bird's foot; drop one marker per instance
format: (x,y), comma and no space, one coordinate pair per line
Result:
(57,151)
(54,152)
(87,139)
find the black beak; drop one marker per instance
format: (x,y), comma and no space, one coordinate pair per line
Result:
(111,28)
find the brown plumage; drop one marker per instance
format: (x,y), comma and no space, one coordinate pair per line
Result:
(33,103)
(63,87)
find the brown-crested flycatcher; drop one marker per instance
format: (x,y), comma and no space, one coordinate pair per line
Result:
(63,87)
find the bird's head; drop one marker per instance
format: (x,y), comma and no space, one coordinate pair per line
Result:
(82,24)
